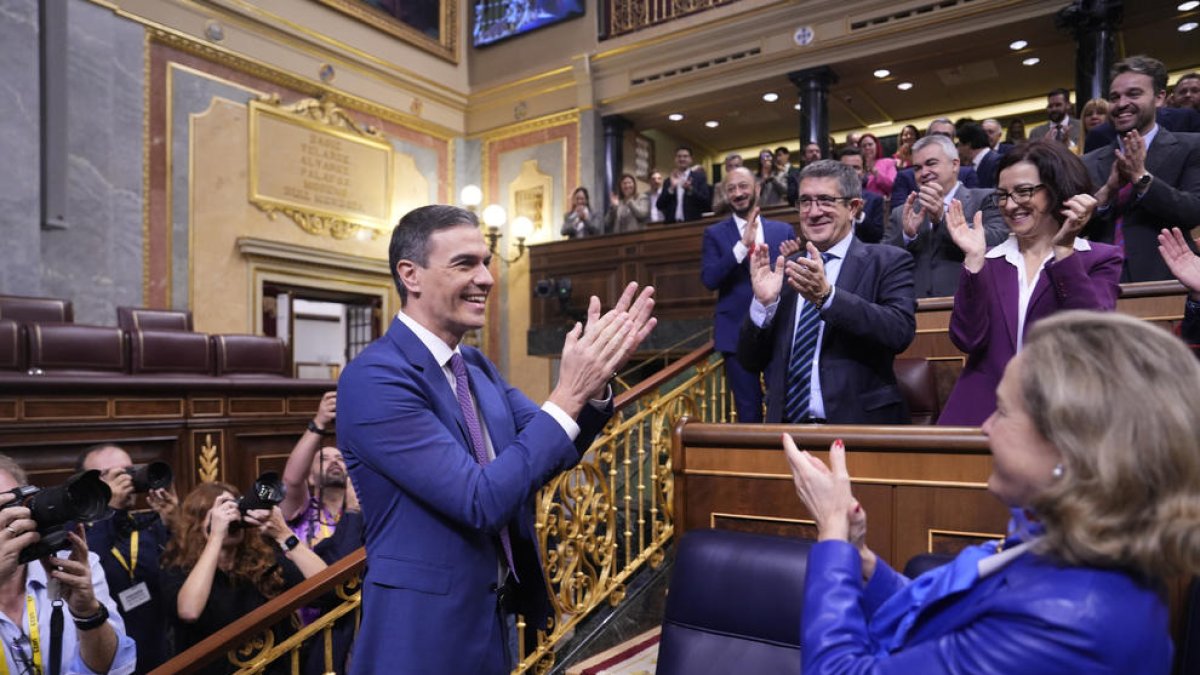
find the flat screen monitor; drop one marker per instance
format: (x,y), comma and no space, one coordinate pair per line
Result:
(497,20)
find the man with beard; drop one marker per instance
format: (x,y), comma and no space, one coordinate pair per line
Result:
(318,493)
(1060,127)
(724,268)
(686,194)
(919,224)
(129,546)
(1150,177)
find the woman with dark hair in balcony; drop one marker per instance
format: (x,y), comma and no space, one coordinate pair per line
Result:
(219,566)
(580,222)
(1094,452)
(628,211)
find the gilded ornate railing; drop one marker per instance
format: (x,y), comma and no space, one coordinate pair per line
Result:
(627,16)
(602,521)
(250,642)
(598,524)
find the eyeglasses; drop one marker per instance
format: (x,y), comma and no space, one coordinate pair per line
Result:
(22,653)
(1020,195)
(823,202)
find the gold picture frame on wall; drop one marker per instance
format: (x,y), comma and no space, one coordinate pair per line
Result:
(433,29)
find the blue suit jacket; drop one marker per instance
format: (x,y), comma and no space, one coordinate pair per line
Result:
(870,230)
(870,319)
(1032,616)
(721,272)
(432,513)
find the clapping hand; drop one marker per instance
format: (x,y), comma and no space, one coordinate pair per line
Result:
(1131,162)
(766,282)
(824,490)
(1076,212)
(1179,258)
(751,234)
(789,247)
(972,240)
(592,353)
(807,275)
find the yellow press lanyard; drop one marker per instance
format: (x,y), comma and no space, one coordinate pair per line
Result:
(35,639)
(133,551)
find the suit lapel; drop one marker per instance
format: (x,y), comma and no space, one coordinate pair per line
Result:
(418,355)
(1005,289)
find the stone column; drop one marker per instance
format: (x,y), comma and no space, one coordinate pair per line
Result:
(814,84)
(614,155)
(1094,23)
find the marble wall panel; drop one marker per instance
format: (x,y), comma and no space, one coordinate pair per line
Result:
(97,260)
(20,202)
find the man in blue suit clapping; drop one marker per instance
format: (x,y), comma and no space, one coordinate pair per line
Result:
(446,456)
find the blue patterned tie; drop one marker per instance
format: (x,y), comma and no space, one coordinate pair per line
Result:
(804,348)
(462,386)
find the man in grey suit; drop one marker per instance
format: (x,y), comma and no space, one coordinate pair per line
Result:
(919,225)
(1150,177)
(1060,127)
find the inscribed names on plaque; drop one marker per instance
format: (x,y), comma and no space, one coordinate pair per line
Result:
(312,163)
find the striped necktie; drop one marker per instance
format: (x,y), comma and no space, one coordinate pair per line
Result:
(462,385)
(804,348)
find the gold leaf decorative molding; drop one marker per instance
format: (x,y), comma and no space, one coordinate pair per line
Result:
(208,463)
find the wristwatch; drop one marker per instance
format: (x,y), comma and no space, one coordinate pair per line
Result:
(290,543)
(1143,181)
(312,426)
(92,622)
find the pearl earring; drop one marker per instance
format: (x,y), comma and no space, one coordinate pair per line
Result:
(1058,471)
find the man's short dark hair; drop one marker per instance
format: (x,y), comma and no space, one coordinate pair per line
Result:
(782,148)
(684,147)
(848,151)
(410,237)
(1059,91)
(87,452)
(1143,65)
(973,136)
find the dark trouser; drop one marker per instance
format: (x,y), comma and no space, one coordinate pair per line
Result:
(746,388)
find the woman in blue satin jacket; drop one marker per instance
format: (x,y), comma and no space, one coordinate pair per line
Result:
(1093,449)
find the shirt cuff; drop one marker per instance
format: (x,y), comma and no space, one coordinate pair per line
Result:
(564,420)
(762,314)
(740,251)
(828,299)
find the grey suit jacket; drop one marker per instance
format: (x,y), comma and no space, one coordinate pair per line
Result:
(1044,130)
(939,260)
(1172,200)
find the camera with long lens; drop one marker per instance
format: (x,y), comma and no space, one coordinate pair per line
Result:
(83,498)
(152,476)
(266,493)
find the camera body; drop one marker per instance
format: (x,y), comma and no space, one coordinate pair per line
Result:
(152,476)
(266,493)
(82,498)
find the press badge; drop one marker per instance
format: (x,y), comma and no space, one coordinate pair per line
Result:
(133,597)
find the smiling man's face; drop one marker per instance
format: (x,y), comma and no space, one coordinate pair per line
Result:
(449,294)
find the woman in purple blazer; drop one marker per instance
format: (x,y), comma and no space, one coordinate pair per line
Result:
(1093,451)
(1044,194)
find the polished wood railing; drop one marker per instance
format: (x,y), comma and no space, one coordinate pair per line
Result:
(249,642)
(598,524)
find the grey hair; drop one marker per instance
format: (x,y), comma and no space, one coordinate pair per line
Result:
(847,178)
(946,144)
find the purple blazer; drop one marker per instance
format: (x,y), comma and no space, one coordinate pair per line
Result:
(984,321)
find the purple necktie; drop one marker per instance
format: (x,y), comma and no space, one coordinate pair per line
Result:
(462,385)
(1124,201)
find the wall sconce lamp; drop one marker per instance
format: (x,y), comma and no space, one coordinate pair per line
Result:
(494,217)
(471,197)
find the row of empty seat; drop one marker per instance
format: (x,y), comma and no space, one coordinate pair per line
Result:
(39,338)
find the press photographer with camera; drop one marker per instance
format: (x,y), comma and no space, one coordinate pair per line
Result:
(228,556)
(93,638)
(130,545)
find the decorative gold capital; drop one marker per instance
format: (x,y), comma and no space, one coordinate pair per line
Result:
(209,463)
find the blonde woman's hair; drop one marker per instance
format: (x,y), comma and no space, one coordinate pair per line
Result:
(1120,399)
(10,466)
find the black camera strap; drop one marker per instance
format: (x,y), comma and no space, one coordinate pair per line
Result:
(56,637)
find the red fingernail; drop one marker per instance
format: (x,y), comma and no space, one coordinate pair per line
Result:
(858,508)
(840,444)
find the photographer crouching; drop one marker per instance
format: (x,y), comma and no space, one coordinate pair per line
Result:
(219,566)
(129,545)
(32,595)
